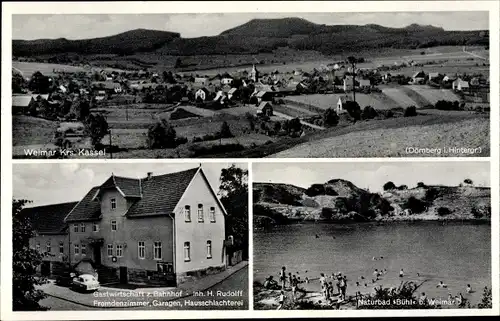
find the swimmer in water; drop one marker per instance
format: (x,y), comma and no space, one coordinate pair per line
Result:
(469,289)
(357,283)
(375,273)
(401,273)
(442,285)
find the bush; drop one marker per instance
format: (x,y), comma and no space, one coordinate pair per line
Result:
(443,211)
(410,111)
(402,187)
(420,184)
(389,186)
(330,117)
(225,131)
(353,109)
(369,113)
(415,205)
(447,105)
(431,194)
(320,189)
(216,149)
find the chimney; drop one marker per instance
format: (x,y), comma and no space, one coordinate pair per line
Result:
(150,175)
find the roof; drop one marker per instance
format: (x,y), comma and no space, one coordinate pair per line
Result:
(162,193)
(261,93)
(419,74)
(48,219)
(433,74)
(21,100)
(343,99)
(232,90)
(263,104)
(128,187)
(106,84)
(88,209)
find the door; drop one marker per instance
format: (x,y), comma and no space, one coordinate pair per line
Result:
(97,255)
(123,274)
(45,268)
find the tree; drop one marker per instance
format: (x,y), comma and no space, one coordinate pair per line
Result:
(178,63)
(410,111)
(225,131)
(369,113)
(468,181)
(330,117)
(84,109)
(233,192)
(96,127)
(25,261)
(162,135)
(389,186)
(443,211)
(353,109)
(420,184)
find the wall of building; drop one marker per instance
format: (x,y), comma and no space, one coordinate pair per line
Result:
(54,255)
(198,233)
(129,232)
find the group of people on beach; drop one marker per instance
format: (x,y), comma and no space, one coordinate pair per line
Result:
(327,288)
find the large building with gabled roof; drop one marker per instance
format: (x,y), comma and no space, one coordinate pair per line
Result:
(156,230)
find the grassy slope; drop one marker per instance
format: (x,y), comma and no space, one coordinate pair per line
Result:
(387,124)
(28,130)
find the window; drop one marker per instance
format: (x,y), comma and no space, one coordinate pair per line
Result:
(76,249)
(95,227)
(212,214)
(164,267)
(75,228)
(157,250)
(110,249)
(119,250)
(200,212)
(209,249)
(84,249)
(113,203)
(113,225)
(187,251)
(82,227)
(38,247)
(61,247)
(48,248)
(142,249)
(187,213)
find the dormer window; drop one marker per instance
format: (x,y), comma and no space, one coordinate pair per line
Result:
(200,213)
(113,203)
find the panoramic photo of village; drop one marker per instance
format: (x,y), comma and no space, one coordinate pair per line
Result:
(130,237)
(251,85)
(374,235)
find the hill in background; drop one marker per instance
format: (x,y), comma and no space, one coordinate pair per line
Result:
(341,201)
(257,36)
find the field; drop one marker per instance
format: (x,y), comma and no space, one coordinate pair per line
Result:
(28,130)
(392,142)
(29,68)
(433,95)
(325,101)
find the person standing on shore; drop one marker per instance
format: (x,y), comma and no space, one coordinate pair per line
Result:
(283,278)
(343,287)
(322,280)
(281,300)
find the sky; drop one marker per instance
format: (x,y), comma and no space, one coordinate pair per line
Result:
(60,183)
(373,175)
(82,26)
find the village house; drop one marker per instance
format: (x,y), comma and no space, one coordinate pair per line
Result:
(460,85)
(220,97)
(347,83)
(21,103)
(201,81)
(418,78)
(108,86)
(265,109)
(341,103)
(202,94)
(232,93)
(51,235)
(226,81)
(364,83)
(152,230)
(263,96)
(434,75)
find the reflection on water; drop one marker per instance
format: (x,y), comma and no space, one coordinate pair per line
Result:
(455,253)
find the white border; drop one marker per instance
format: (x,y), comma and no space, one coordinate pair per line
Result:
(217,7)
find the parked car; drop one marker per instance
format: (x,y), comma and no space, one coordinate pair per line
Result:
(86,282)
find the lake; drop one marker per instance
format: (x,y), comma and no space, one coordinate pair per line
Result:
(455,253)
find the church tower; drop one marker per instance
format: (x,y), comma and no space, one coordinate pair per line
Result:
(254,74)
